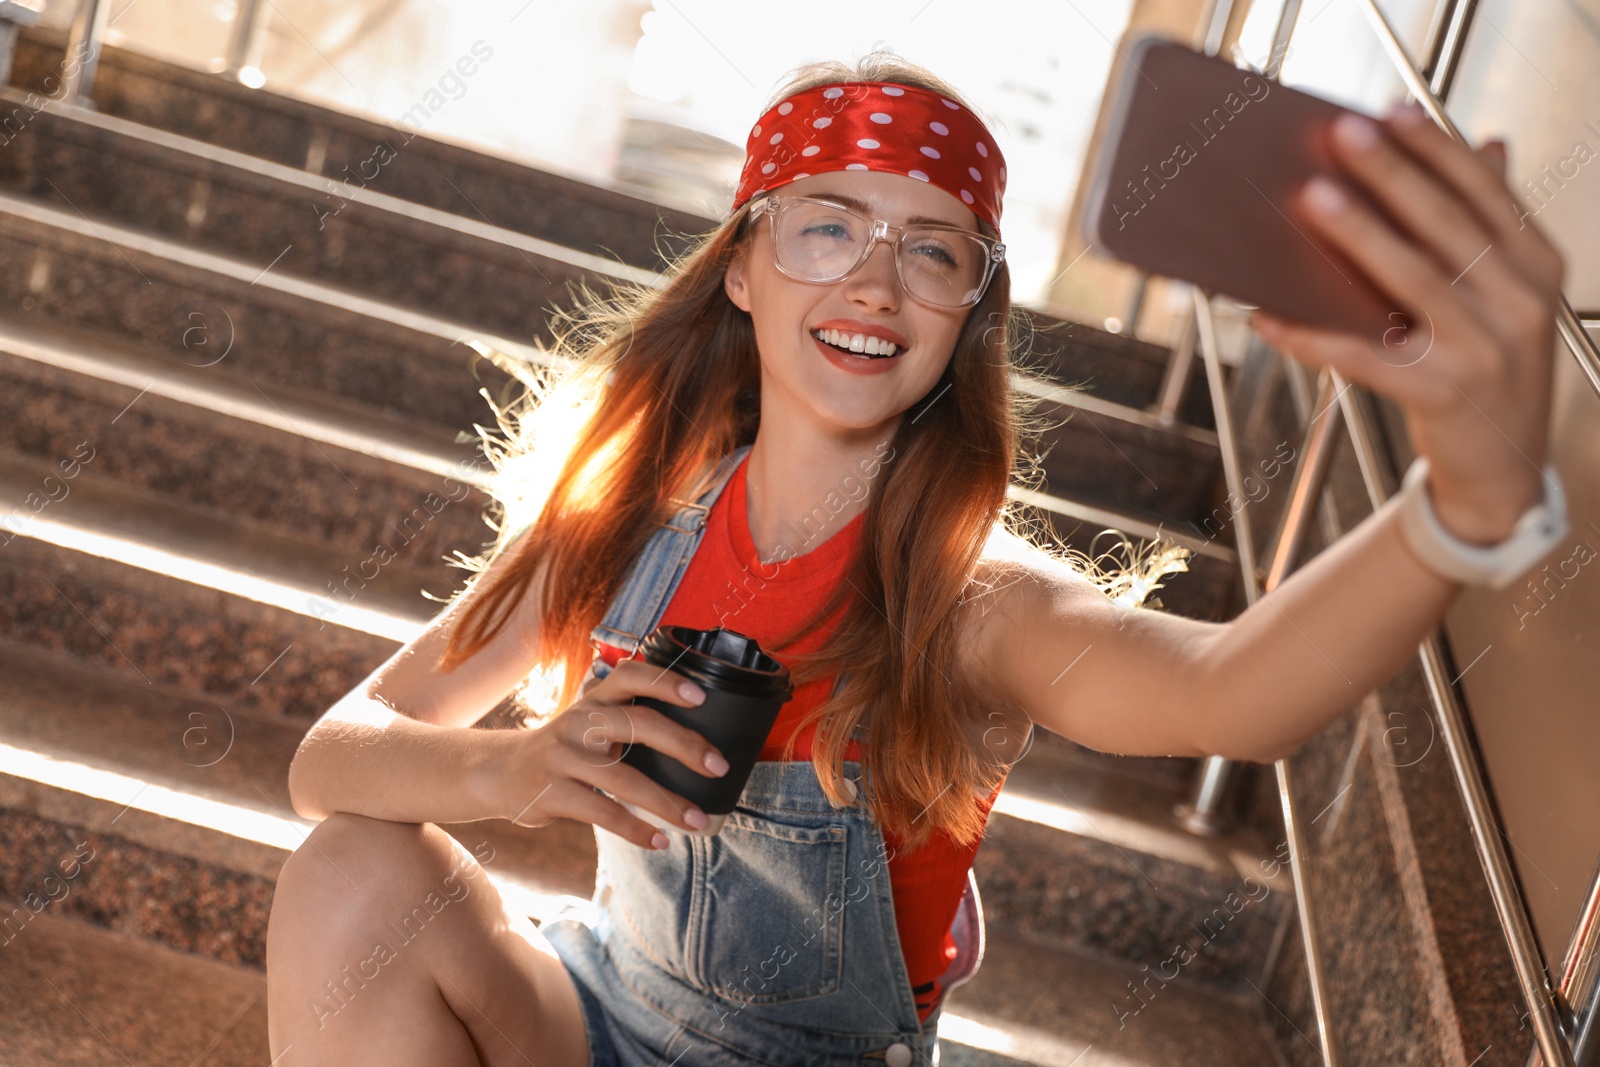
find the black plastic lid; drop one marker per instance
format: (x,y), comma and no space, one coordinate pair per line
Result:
(719,659)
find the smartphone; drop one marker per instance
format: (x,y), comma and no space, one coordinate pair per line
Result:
(1200,162)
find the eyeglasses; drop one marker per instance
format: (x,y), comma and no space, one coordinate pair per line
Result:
(820,241)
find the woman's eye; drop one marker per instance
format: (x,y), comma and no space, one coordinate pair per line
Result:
(936,252)
(826,229)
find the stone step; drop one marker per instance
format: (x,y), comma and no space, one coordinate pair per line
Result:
(245,319)
(1088,856)
(345,478)
(216,607)
(306,624)
(343,150)
(1029,1004)
(79,995)
(494,199)
(465,269)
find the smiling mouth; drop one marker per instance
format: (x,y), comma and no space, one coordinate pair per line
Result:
(858,344)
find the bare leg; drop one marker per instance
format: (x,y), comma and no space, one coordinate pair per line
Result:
(388,944)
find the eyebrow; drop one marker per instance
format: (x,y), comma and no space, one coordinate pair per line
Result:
(867,209)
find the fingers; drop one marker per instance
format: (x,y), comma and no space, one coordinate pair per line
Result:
(1483,189)
(1352,357)
(1494,153)
(1413,197)
(642,724)
(632,785)
(578,801)
(1400,268)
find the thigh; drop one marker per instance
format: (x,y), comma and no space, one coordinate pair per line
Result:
(388,942)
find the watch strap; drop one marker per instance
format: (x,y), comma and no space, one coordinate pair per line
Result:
(1538,531)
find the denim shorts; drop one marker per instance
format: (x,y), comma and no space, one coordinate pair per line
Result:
(772,942)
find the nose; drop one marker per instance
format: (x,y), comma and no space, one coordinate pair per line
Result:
(876,283)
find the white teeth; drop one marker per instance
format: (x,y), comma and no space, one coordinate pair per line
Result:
(857,342)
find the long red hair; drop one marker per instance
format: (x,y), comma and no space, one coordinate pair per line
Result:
(652,385)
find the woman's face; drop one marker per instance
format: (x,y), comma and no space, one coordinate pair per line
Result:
(796,374)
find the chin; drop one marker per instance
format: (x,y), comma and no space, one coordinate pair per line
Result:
(853,420)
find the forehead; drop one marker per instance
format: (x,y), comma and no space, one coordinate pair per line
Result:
(895,197)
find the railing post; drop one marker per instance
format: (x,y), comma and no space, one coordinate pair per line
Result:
(1175,380)
(244,44)
(1130,318)
(1200,813)
(86,39)
(14,14)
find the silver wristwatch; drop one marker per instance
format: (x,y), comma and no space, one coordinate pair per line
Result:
(1539,530)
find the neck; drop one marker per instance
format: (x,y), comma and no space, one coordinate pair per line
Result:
(803,486)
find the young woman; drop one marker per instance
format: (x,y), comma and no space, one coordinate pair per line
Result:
(729,463)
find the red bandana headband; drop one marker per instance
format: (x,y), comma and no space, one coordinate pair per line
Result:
(880,126)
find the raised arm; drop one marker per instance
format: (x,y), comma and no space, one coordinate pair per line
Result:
(1454,248)
(1136,681)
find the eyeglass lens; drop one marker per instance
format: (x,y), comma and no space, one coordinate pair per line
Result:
(822,242)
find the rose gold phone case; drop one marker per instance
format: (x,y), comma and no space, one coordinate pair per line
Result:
(1201,160)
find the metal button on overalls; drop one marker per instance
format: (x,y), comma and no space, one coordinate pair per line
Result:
(897,1055)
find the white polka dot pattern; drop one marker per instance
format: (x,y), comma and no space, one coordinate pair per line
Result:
(858,126)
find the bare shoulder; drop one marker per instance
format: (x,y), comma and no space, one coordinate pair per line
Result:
(1051,642)
(1009,582)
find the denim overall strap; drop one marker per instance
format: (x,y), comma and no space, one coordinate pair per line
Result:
(637,609)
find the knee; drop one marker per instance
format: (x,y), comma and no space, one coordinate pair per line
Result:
(350,863)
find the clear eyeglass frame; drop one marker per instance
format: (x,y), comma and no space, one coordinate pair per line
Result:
(773,205)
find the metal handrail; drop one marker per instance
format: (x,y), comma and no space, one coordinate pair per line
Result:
(1201,813)
(1580,984)
(1546,1006)
(1580,976)
(1306,486)
(1469,779)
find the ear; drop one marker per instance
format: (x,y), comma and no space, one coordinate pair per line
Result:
(734,280)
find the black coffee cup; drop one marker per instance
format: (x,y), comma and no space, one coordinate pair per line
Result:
(745,689)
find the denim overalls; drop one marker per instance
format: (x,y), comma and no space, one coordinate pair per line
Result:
(773,942)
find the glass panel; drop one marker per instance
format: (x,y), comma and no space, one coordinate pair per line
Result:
(1336,52)
(1531,73)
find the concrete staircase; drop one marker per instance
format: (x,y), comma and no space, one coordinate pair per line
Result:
(224,379)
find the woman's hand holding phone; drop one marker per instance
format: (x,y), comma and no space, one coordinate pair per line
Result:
(552,770)
(1481,284)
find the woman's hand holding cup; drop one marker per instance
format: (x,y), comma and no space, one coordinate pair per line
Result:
(552,770)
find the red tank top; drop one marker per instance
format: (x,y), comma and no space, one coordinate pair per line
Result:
(727,585)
